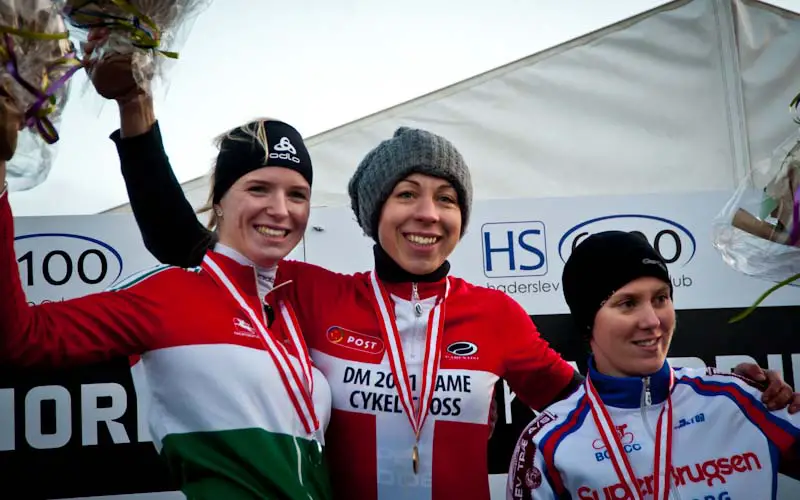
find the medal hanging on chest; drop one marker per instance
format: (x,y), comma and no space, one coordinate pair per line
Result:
(298,386)
(416,413)
(662,462)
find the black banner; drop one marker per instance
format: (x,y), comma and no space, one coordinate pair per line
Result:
(77,433)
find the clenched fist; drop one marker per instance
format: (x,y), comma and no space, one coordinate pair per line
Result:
(111,75)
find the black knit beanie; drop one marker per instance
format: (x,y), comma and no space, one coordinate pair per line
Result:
(240,153)
(602,264)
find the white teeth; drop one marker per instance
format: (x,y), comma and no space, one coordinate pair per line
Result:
(646,343)
(422,240)
(266,231)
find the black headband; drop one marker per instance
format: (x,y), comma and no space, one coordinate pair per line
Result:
(240,154)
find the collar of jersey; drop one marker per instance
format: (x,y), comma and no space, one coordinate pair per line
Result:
(240,269)
(424,290)
(390,271)
(626,392)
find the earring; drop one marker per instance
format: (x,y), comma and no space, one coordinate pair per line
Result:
(218,212)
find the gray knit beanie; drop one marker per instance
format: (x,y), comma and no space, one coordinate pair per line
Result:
(409,151)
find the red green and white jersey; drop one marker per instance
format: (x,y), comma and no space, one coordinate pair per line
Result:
(218,411)
(369,443)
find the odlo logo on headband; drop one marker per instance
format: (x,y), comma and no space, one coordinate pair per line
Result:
(287,151)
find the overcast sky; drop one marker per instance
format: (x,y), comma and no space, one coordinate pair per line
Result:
(314,63)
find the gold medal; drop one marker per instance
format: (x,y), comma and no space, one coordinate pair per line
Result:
(417,415)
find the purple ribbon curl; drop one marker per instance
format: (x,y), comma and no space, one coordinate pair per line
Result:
(42,124)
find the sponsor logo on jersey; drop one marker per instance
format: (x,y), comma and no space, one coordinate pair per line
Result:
(354,340)
(626,438)
(710,473)
(243,328)
(538,424)
(526,476)
(685,422)
(462,350)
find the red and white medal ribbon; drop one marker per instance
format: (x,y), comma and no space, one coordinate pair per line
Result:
(300,391)
(430,368)
(662,462)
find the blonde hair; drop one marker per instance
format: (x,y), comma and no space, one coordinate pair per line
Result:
(254,132)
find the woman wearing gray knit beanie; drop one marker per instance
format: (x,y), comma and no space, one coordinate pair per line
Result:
(411,354)
(412,194)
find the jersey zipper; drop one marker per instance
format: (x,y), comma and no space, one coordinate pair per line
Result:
(646,403)
(415,301)
(262,301)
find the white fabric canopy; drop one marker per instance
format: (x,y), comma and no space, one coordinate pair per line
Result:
(680,98)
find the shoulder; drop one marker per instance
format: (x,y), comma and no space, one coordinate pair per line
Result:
(712,383)
(778,426)
(554,422)
(490,299)
(297,269)
(157,276)
(711,380)
(560,415)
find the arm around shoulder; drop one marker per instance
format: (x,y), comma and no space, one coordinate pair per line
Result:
(534,370)
(780,427)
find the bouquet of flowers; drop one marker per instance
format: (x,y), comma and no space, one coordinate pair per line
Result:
(38,61)
(147,31)
(758,231)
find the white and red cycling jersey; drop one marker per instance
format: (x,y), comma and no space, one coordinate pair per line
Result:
(725,443)
(369,441)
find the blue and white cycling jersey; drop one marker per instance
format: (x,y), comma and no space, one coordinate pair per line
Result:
(726,444)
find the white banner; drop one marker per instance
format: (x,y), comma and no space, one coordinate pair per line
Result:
(520,246)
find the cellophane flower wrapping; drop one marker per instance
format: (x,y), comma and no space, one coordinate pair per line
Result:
(758,233)
(151,31)
(38,61)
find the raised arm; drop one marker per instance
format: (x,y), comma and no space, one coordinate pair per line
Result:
(169,227)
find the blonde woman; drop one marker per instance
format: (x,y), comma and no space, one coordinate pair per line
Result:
(236,409)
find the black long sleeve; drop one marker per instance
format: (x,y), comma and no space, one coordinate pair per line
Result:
(169,227)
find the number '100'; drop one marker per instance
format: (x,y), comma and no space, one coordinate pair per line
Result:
(70,267)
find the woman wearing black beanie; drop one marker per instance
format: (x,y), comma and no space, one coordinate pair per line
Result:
(638,427)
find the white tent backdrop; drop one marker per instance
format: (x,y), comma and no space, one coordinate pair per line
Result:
(681,98)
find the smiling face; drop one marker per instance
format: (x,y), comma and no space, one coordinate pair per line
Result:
(633,329)
(420,223)
(265,214)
